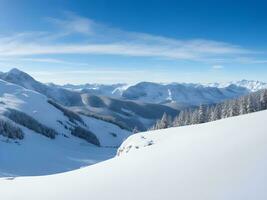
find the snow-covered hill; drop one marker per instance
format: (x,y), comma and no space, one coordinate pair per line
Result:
(51,138)
(226,159)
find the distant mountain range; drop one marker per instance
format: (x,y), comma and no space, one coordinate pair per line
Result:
(175,94)
(122,112)
(252,86)
(179,94)
(130,106)
(119,88)
(68,124)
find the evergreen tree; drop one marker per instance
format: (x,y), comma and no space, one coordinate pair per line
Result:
(249,104)
(194,117)
(263,100)
(225,110)
(243,106)
(179,120)
(217,113)
(202,118)
(164,121)
(234,108)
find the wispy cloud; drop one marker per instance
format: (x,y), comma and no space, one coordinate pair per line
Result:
(217,67)
(104,40)
(74,24)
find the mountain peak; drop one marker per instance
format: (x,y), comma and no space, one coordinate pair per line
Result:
(18,74)
(16,71)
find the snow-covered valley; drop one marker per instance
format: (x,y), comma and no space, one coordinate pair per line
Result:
(225,159)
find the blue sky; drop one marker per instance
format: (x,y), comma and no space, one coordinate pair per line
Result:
(100,41)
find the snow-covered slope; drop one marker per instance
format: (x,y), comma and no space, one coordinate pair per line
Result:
(176,95)
(113,90)
(99,100)
(23,79)
(128,114)
(251,85)
(54,139)
(181,94)
(226,159)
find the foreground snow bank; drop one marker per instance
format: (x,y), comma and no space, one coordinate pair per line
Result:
(221,160)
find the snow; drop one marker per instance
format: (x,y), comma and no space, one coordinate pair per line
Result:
(182,93)
(226,159)
(251,85)
(108,134)
(38,155)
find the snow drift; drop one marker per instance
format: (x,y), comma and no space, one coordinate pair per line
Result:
(226,159)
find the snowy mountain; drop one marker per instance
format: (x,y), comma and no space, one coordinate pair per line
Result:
(138,105)
(220,160)
(125,113)
(252,86)
(60,95)
(182,94)
(113,90)
(122,112)
(176,95)
(35,130)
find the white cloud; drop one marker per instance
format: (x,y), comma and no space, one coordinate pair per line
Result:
(104,40)
(73,23)
(217,67)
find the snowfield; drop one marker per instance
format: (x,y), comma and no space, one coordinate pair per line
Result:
(222,160)
(36,154)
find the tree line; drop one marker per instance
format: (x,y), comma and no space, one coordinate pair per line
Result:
(253,102)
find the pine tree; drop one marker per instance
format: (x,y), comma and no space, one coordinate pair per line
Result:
(179,120)
(217,113)
(249,104)
(263,100)
(164,123)
(176,122)
(234,108)
(194,117)
(209,111)
(225,110)
(243,106)
(187,119)
(202,114)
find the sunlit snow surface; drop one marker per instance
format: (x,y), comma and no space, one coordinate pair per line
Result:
(39,155)
(223,160)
